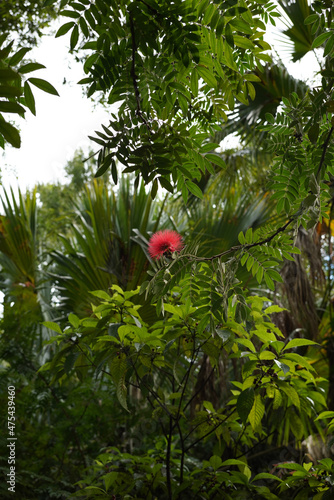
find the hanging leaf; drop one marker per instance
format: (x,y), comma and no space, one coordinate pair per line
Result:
(43,85)
(245,403)
(10,133)
(257,412)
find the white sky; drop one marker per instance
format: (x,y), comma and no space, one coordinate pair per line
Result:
(62,124)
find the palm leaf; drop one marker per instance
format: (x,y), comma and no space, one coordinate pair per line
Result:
(102,249)
(297,34)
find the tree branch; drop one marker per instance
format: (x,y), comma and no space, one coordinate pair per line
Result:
(240,247)
(133,74)
(325,146)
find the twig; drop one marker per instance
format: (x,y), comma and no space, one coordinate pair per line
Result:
(168,453)
(210,432)
(133,73)
(240,247)
(325,146)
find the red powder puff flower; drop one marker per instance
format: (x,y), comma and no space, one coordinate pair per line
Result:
(164,242)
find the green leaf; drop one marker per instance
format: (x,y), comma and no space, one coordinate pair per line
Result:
(232,461)
(242,238)
(267,355)
(250,77)
(243,42)
(10,133)
(52,326)
(8,75)
(329,45)
(194,82)
(207,76)
(69,361)
(109,479)
(83,26)
(215,462)
(229,57)
(274,309)
(299,360)
(29,98)
(122,393)
(266,475)
(154,189)
(245,403)
(194,189)
(16,58)
(29,67)
(321,39)
(74,320)
(257,412)
(269,282)
(282,366)
(216,159)
(101,295)
(292,466)
(70,13)
(43,85)
(298,343)
(74,37)
(274,275)
(11,107)
(325,414)
(9,91)
(64,29)
(311,19)
(246,343)
(104,166)
(290,392)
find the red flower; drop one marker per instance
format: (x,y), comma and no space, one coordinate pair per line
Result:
(164,242)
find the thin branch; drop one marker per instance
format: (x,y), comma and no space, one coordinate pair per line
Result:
(151,391)
(241,247)
(168,457)
(208,433)
(325,146)
(199,390)
(134,75)
(62,408)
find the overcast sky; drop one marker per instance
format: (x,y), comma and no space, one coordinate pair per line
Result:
(62,124)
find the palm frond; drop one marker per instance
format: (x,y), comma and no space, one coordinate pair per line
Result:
(102,249)
(297,35)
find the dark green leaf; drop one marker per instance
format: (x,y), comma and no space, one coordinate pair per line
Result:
(310,19)
(10,133)
(9,91)
(8,75)
(16,58)
(74,37)
(298,343)
(194,189)
(27,68)
(43,85)
(321,39)
(11,107)
(64,29)
(29,98)
(207,76)
(245,403)
(217,160)
(104,166)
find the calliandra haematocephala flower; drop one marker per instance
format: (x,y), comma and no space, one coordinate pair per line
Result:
(164,242)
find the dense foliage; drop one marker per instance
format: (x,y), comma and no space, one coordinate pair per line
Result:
(200,365)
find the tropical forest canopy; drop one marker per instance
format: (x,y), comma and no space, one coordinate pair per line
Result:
(168,313)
